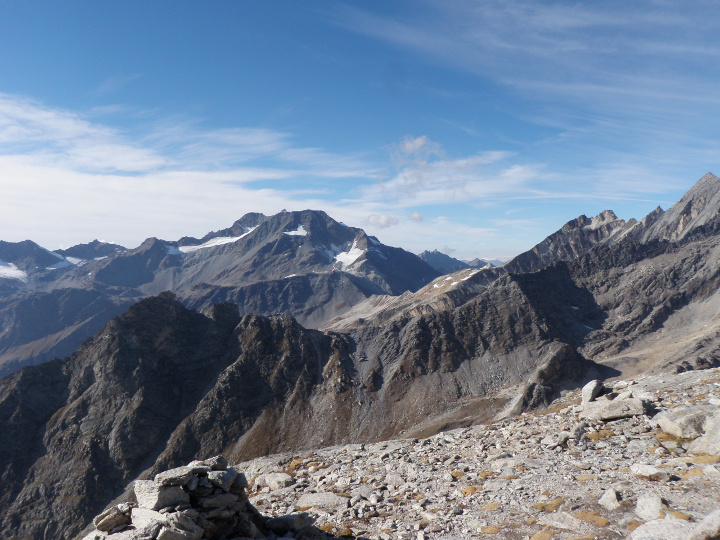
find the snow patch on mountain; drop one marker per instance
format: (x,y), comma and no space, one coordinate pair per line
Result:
(347,258)
(217,242)
(172,250)
(300,231)
(60,264)
(10,271)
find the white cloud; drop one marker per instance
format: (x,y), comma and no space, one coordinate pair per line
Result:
(115,83)
(424,177)
(63,138)
(411,149)
(382,220)
(416,216)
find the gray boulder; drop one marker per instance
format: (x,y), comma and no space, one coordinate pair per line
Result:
(709,442)
(155,496)
(614,410)
(175,477)
(684,422)
(663,529)
(592,390)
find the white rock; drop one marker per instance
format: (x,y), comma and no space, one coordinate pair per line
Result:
(323,501)
(173,534)
(613,410)
(278,480)
(141,533)
(591,390)
(708,528)
(111,518)
(663,529)
(397,480)
(684,422)
(178,476)
(648,506)
(561,520)
(609,500)
(649,472)
(141,517)
(708,443)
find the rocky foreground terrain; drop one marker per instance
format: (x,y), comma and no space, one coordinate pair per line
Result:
(635,459)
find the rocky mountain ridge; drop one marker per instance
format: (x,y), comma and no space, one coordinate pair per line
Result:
(300,263)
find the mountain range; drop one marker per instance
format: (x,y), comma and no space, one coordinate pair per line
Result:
(304,264)
(366,342)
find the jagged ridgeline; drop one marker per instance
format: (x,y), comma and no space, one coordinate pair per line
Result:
(164,383)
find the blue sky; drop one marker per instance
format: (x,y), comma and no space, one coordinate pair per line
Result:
(477,128)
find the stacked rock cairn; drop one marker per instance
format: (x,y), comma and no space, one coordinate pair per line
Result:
(202,500)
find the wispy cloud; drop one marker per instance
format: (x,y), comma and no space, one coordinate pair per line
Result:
(115,83)
(606,75)
(174,175)
(426,176)
(65,139)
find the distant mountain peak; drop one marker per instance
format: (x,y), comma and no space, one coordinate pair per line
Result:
(698,208)
(91,250)
(442,262)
